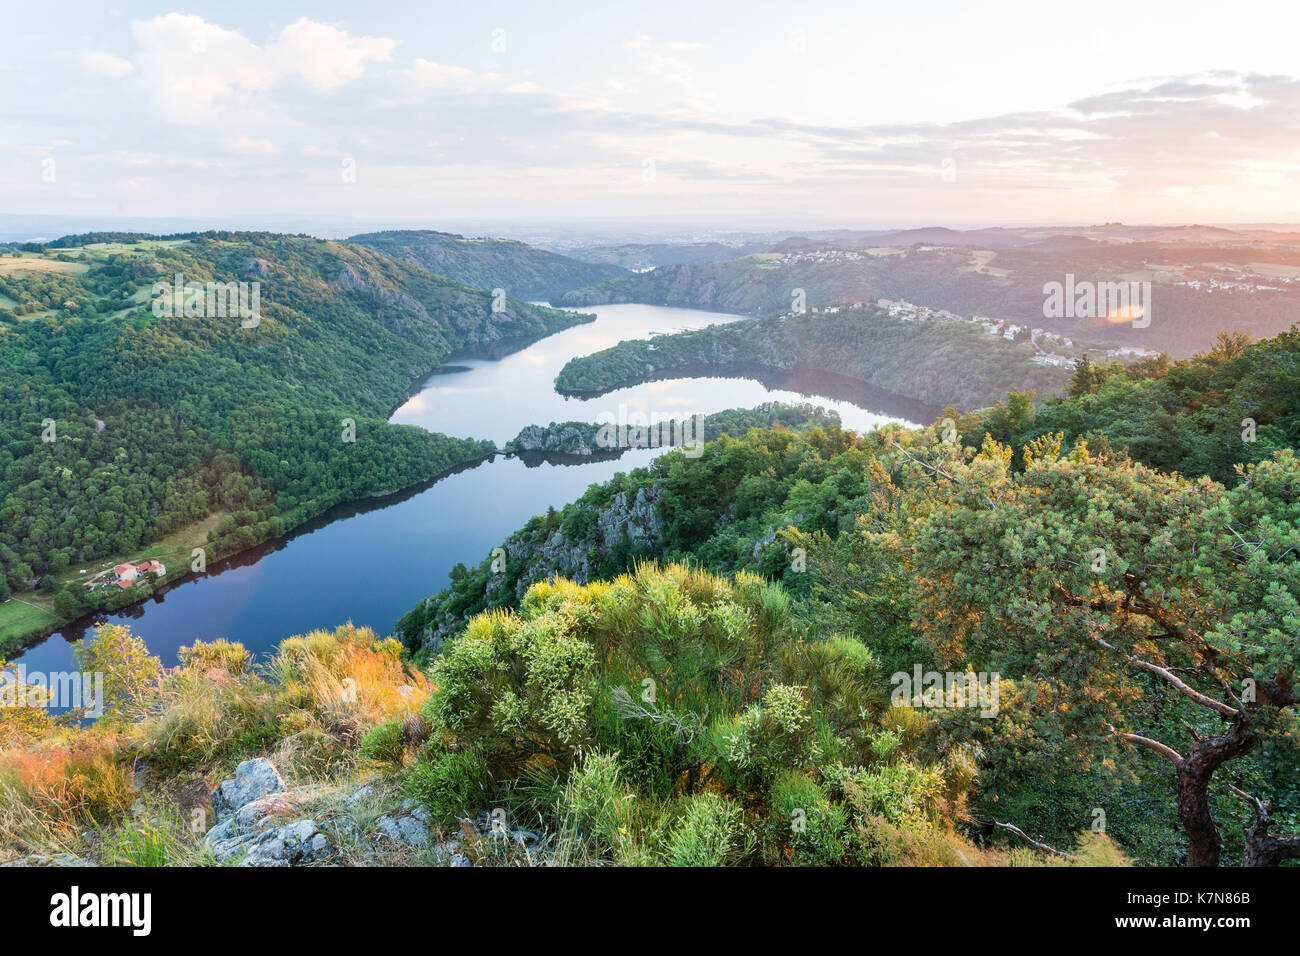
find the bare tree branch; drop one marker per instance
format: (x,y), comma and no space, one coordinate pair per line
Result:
(1147,742)
(1185,689)
(1012,828)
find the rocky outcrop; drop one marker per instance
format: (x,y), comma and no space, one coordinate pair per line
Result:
(632,522)
(409,827)
(253,779)
(566,438)
(256,821)
(629,521)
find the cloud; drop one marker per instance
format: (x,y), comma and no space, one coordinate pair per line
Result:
(324,55)
(201,74)
(250,146)
(427,75)
(102,64)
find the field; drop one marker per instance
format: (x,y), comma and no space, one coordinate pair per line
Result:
(35,263)
(20,621)
(980,262)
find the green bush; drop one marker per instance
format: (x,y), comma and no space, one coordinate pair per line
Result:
(808,824)
(710,833)
(516,688)
(768,737)
(229,656)
(385,743)
(592,807)
(448,783)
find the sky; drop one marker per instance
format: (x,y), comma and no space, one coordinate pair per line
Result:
(736,115)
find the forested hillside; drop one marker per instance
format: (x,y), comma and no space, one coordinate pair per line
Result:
(120,426)
(523,271)
(935,362)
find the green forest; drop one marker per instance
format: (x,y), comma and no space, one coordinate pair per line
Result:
(936,362)
(120,427)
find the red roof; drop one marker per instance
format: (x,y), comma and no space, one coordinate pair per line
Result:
(124,584)
(123,568)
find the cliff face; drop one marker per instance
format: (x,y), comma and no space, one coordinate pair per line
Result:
(631,522)
(574,550)
(565,438)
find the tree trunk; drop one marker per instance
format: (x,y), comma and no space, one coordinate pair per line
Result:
(1263,849)
(1204,845)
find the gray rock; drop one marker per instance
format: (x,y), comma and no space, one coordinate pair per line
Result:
(460,860)
(358,795)
(407,829)
(252,831)
(253,779)
(343,830)
(296,844)
(448,849)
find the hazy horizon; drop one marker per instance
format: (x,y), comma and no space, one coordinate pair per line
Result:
(742,116)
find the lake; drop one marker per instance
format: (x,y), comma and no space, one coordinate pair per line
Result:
(371,562)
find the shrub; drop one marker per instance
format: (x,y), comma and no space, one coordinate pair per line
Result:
(50,793)
(516,688)
(902,793)
(131,674)
(448,783)
(206,714)
(228,656)
(23,714)
(808,827)
(709,833)
(385,743)
(349,678)
(767,738)
(592,808)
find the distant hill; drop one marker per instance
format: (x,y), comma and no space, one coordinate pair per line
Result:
(641,256)
(1204,280)
(760,284)
(524,271)
(943,236)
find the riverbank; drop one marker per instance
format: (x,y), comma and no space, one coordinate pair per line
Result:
(26,621)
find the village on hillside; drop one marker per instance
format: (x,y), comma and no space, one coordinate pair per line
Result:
(1044,342)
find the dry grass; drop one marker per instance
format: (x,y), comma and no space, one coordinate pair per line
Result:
(350,679)
(52,792)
